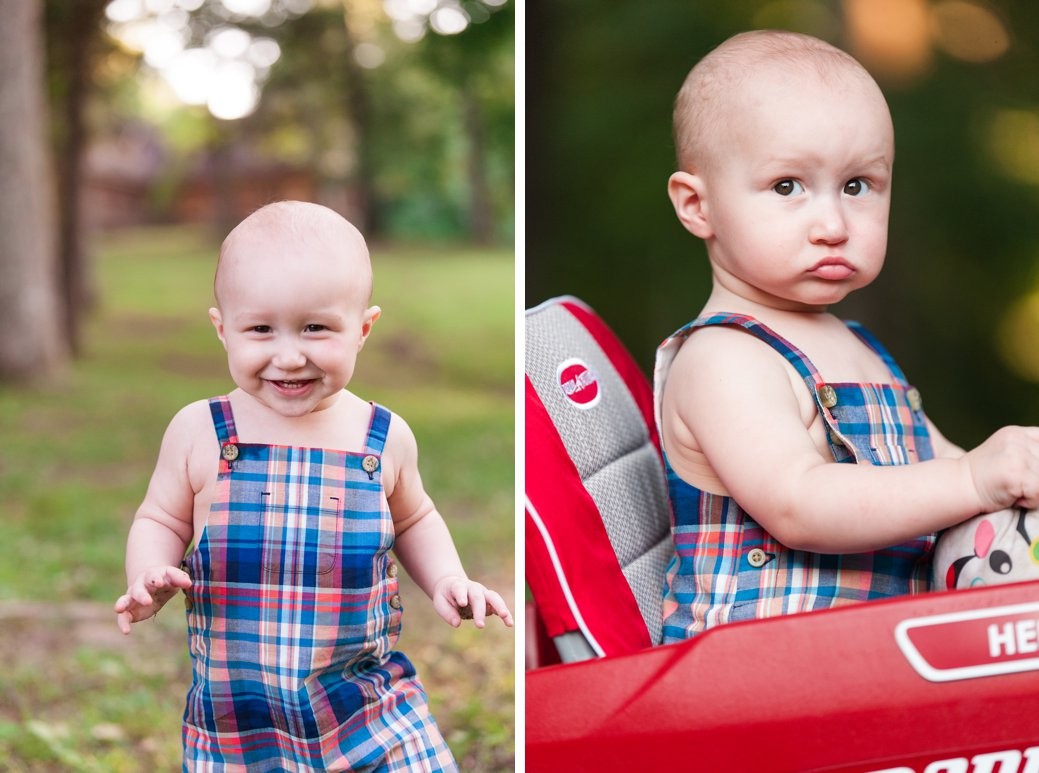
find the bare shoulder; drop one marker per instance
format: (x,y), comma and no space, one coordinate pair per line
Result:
(190,424)
(192,417)
(724,378)
(401,444)
(401,479)
(190,445)
(722,359)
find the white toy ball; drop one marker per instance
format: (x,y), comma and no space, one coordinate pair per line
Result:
(988,549)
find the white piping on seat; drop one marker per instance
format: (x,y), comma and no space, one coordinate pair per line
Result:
(532,511)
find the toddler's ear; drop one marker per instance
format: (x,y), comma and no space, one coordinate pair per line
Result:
(687,196)
(371,314)
(218,322)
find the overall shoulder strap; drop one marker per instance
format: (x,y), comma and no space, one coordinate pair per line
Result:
(377,430)
(871,341)
(223,419)
(821,393)
(667,351)
(764,333)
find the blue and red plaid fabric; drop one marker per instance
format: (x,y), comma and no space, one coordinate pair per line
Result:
(293,614)
(712,579)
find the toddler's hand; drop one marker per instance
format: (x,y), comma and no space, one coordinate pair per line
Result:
(1005,469)
(148,593)
(458,598)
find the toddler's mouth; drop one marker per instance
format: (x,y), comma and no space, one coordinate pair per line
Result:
(289,386)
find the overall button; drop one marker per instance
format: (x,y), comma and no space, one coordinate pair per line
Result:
(757,558)
(391,570)
(395,601)
(915,401)
(370,463)
(229,452)
(827,395)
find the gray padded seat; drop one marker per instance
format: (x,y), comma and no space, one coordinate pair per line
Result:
(615,457)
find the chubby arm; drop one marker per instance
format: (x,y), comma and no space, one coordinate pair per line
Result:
(162,528)
(744,412)
(423,542)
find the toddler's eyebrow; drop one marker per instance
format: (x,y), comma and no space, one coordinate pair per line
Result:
(881,161)
(798,160)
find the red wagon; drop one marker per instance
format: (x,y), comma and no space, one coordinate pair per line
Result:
(942,683)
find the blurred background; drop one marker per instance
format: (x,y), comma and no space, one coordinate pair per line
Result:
(133,135)
(958,300)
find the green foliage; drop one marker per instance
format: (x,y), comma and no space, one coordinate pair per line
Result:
(396,134)
(76,459)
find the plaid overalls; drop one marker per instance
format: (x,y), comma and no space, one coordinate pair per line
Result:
(728,568)
(293,614)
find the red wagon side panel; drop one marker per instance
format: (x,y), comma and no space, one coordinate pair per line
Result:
(841,690)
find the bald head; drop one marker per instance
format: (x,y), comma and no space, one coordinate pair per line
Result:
(704,104)
(294,234)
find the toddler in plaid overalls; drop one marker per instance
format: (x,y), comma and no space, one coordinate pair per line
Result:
(292,491)
(802,471)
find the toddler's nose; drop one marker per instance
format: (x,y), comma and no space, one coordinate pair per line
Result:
(288,356)
(829,225)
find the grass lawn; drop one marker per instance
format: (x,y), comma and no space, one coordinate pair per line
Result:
(75,459)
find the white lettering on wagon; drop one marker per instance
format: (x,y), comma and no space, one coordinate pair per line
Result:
(1013,638)
(1006,761)
(973,643)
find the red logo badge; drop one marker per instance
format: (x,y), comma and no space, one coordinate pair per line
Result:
(579,383)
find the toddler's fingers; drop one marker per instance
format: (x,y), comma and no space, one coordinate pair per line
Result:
(178,578)
(124,620)
(496,605)
(459,593)
(477,605)
(447,610)
(156,579)
(139,595)
(1028,502)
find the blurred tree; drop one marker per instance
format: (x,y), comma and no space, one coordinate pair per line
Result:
(31,343)
(359,109)
(73,34)
(320,90)
(400,120)
(406,122)
(479,63)
(381,129)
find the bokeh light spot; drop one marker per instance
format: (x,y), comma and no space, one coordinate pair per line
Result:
(369,55)
(448,20)
(1018,331)
(969,31)
(892,38)
(1013,143)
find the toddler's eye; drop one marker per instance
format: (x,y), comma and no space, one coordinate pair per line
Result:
(261,329)
(856,187)
(314,328)
(788,188)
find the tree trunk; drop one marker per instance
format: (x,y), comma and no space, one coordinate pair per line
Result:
(359,113)
(31,342)
(77,30)
(481,217)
